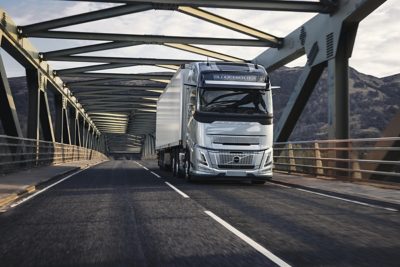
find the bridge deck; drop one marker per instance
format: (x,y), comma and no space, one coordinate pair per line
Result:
(119,214)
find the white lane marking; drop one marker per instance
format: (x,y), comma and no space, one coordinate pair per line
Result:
(177,190)
(170,185)
(280,185)
(46,188)
(348,200)
(139,164)
(144,167)
(155,174)
(248,240)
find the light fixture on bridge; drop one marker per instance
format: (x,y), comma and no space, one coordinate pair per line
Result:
(155,91)
(147,110)
(151,98)
(149,105)
(160,80)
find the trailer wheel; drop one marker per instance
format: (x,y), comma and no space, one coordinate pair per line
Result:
(161,160)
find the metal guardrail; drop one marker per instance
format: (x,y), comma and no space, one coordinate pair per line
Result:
(22,153)
(368,158)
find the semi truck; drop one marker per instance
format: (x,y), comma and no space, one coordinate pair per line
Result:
(215,121)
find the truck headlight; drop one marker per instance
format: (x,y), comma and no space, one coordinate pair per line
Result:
(268,158)
(201,156)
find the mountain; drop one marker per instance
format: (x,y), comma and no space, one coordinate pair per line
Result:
(373,103)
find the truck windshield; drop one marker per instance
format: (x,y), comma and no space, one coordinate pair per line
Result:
(242,101)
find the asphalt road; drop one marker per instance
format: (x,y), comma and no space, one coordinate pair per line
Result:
(120,214)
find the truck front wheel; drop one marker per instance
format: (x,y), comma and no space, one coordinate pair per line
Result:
(187,167)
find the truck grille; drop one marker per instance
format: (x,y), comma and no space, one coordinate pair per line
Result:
(236,140)
(238,167)
(235,159)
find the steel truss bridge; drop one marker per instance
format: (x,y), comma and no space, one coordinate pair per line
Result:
(64,203)
(102,111)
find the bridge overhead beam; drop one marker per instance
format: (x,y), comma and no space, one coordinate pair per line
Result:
(149,39)
(298,6)
(138,61)
(120,76)
(95,82)
(93,68)
(83,18)
(111,88)
(319,37)
(112,94)
(86,49)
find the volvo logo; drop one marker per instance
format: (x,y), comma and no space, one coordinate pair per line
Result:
(236,159)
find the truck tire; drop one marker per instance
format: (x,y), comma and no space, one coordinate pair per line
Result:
(188,177)
(257,182)
(174,165)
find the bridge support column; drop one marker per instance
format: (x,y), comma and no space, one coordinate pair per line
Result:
(72,119)
(8,112)
(33,79)
(338,95)
(58,105)
(78,129)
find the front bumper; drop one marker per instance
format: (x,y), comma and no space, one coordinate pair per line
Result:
(260,174)
(259,164)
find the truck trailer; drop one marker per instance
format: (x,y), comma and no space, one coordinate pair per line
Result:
(215,121)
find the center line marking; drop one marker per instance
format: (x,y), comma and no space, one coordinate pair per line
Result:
(177,190)
(155,174)
(248,240)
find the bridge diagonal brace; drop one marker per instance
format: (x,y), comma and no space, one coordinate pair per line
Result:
(297,101)
(230,24)
(204,52)
(45,116)
(8,112)
(66,126)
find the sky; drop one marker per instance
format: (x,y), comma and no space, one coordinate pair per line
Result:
(375,50)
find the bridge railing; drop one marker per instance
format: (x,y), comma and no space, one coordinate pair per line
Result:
(22,153)
(368,158)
